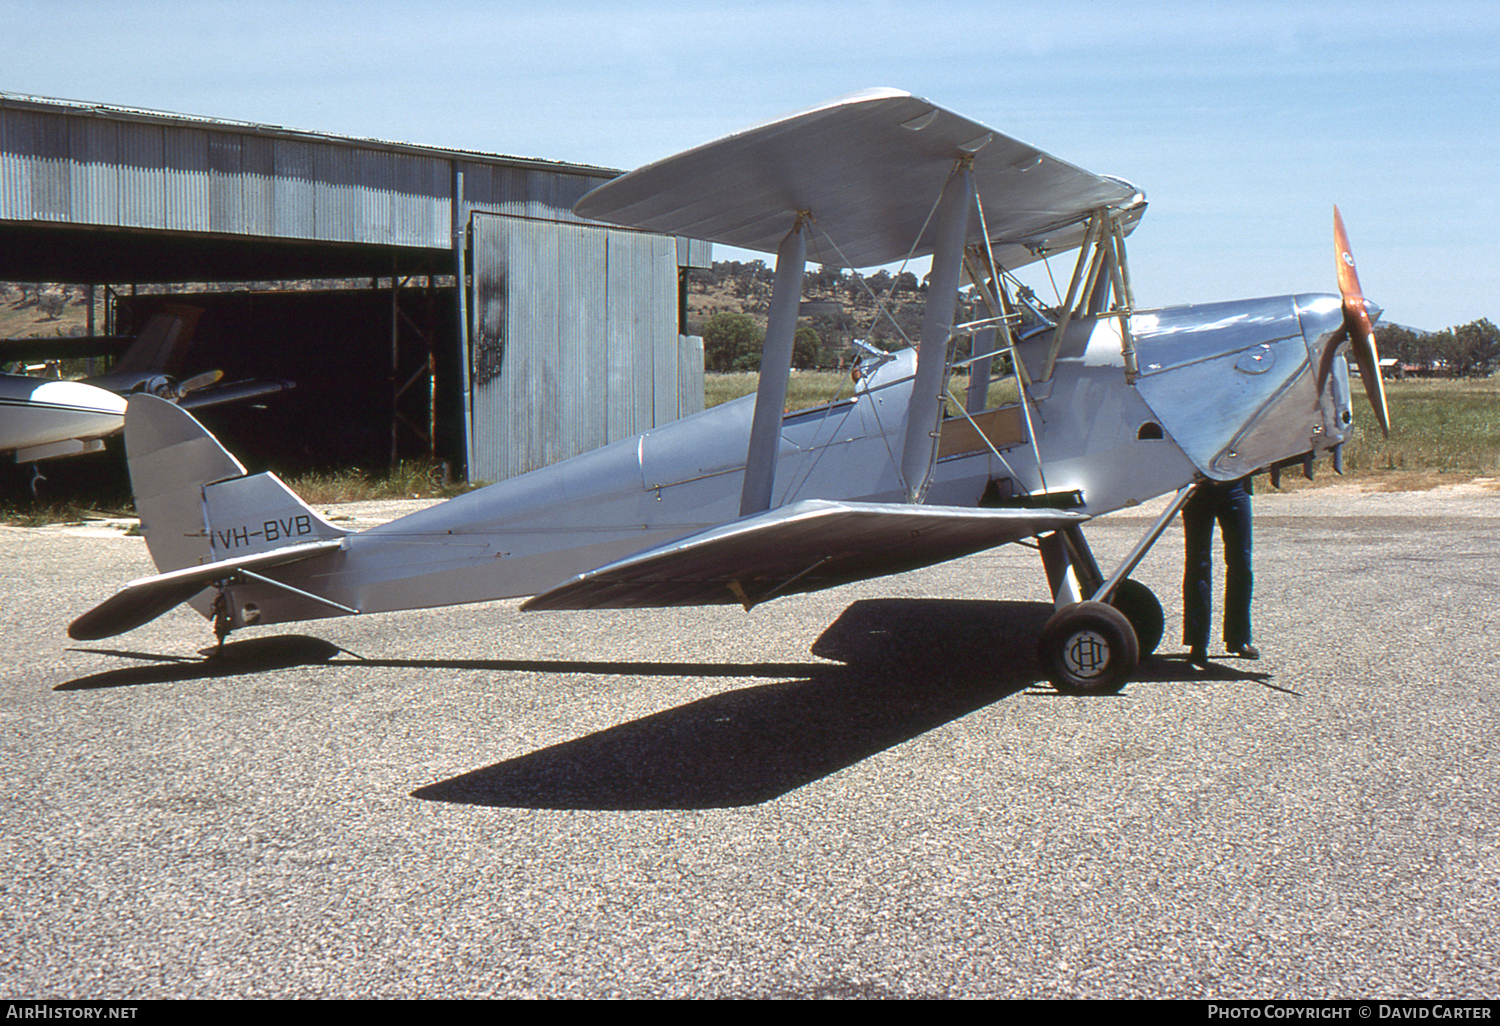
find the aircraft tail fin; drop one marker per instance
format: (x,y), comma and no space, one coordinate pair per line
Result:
(196,502)
(172,457)
(206,521)
(162,342)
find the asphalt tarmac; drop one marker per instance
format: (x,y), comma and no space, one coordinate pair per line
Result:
(860,793)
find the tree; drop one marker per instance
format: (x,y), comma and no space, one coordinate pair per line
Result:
(807,348)
(1398,343)
(1470,350)
(728,338)
(1477,348)
(824,279)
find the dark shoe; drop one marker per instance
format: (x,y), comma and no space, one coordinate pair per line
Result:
(1199,657)
(1246,651)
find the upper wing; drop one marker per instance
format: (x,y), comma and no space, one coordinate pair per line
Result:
(868,168)
(805,546)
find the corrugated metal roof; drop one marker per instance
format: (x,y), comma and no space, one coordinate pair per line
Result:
(101,166)
(574,324)
(116,112)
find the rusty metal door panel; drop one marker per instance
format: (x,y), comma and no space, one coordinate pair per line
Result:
(575,341)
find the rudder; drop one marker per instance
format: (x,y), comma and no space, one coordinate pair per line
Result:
(172,457)
(196,502)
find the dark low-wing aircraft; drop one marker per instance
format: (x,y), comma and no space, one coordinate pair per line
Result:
(744,503)
(42,418)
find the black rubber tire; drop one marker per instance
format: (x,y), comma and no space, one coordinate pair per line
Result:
(1088,648)
(1142,608)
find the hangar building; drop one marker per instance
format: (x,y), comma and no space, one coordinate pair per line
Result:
(492,326)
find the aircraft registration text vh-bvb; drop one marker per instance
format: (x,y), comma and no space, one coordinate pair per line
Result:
(744,503)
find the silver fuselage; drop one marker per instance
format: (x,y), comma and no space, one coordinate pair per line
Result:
(1223,390)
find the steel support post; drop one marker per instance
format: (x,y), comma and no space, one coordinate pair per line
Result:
(1072,572)
(459,227)
(1144,545)
(977,400)
(1062,578)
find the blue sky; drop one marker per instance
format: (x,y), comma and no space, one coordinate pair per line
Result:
(1243,122)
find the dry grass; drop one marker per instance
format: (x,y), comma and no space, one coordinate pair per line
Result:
(1438,426)
(415,479)
(806,388)
(1443,432)
(40,514)
(814,388)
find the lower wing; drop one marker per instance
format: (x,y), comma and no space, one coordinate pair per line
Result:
(805,546)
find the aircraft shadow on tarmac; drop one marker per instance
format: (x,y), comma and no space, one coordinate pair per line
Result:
(909,666)
(901,667)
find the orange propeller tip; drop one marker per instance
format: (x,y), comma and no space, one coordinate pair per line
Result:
(1357,327)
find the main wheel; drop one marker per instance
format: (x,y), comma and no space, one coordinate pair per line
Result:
(1142,608)
(1088,648)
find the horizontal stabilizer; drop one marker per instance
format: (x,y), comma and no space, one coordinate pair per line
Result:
(143,600)
(806,546)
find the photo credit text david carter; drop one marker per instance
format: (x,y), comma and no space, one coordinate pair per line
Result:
(1361,1010)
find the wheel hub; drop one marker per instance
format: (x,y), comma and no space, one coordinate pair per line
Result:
(1086,654)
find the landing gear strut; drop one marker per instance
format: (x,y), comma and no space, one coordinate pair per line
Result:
(223,623)
(1102,628)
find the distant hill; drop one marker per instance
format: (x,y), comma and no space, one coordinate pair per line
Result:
(45,311)
(849,310)
(52,310)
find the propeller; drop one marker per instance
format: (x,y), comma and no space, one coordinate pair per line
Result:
(166,388)
(1357,329)
(198,381)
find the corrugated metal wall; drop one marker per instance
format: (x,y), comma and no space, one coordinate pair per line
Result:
(576,341)
(574,327)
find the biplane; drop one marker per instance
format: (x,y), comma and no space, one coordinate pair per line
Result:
(1109,406)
